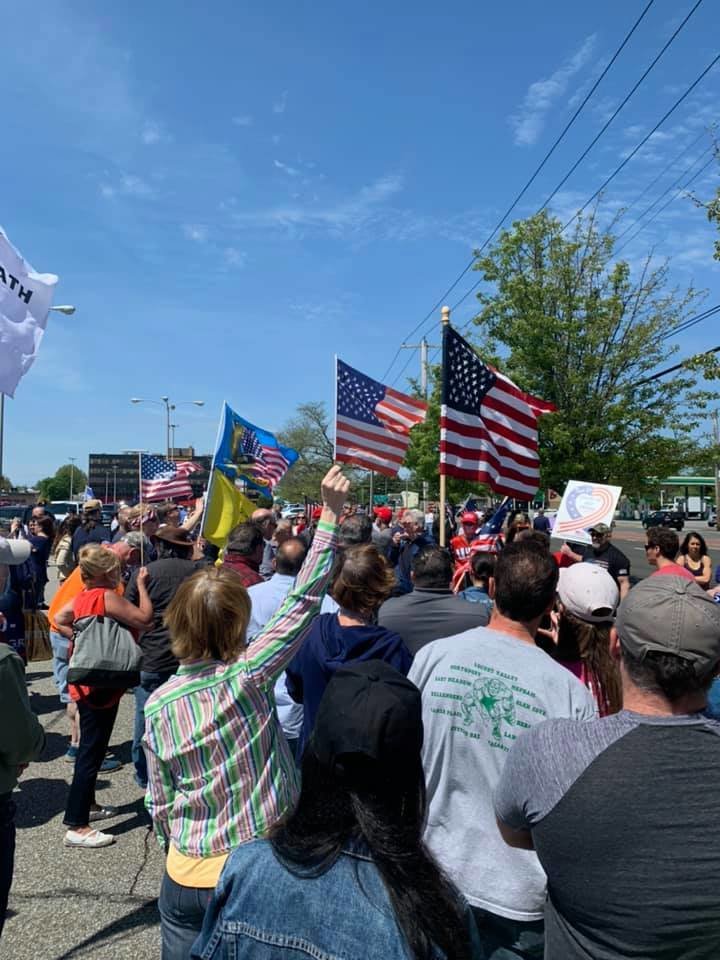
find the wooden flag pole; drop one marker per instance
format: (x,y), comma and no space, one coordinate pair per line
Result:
(445,314)
(372,491)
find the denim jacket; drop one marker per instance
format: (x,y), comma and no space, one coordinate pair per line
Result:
(262,911)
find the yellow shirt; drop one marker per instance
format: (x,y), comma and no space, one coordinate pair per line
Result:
(203,872)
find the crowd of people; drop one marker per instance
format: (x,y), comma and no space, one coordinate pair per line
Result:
(355,742)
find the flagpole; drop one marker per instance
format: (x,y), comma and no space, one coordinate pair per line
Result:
(335,393)
(140,501)
(372,479)
(445,320)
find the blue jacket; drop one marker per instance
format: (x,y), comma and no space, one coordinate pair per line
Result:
(327,647)
(402,557)
(262,911)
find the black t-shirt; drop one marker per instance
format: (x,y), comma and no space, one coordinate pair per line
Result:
(623,817)
(165,576)
(98,534)
(612,559)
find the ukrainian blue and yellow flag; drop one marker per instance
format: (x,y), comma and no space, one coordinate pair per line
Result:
(245,456)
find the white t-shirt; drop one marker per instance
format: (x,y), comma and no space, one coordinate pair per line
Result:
(481,689)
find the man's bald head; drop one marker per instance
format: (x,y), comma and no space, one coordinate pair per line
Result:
(290,557)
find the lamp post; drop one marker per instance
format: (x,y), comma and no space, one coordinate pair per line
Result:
(166,402)
(72,475)
(68,309)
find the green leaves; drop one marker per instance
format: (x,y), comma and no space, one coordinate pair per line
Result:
(58,486)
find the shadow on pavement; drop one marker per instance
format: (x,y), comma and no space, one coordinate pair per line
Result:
(56,745)
(39,800)
(45,703)
(140,818)
(146,915)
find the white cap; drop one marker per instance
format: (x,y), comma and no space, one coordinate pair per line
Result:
(14,551)
(589,592)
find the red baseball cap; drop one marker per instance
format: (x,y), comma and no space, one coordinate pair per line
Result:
(384,513)
(469,517)
(317,512)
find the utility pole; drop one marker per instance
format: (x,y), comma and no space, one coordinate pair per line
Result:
(114,483)
(423,347)
(72,474)
(716,468)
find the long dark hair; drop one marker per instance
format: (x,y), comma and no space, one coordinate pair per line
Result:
(590,642)
(686,542)
(386,813)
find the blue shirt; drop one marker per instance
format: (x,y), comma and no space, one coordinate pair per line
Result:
(266,599)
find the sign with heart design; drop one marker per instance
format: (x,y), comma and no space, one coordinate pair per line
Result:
(583,506)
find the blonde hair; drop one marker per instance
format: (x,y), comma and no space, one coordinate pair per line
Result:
(208,616)
(99,563)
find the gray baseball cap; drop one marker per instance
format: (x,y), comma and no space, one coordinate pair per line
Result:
(669,614)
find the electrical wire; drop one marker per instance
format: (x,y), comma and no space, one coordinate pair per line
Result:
(693,321)
(667,203)
(677,366)
(527,185)
(605,126)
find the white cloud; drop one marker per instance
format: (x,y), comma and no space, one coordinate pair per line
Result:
(243,120)
(280,104)
(529,120)
(234,257)
(151,133)
(196,232)
(128,185)
(345,216)
(290,171)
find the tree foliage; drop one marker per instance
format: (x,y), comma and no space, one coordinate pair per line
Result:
(5,483)
(573,326)
(57,487)
(308,432)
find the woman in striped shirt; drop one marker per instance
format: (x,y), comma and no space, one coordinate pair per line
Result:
(220,772)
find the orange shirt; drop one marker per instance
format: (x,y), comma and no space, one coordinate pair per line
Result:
(67,591)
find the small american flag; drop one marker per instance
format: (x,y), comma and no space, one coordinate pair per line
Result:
(372,426)
(488,426)
(488,540)
(163,479)
(265,462)
(310,506)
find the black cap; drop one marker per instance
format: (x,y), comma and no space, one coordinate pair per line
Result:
(370,708)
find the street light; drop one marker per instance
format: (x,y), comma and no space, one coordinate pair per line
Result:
(72,474)
(165,401)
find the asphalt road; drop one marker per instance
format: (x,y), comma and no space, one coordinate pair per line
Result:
(69,904)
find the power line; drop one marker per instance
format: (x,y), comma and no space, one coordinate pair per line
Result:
(605,126)
(667,203)
(662,173)
(620,166)
(667,190)
(527,185)
(664,373)
(687,324)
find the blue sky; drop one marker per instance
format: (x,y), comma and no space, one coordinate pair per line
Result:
(233,193)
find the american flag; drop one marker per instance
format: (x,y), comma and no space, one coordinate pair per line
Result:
(488,426)
(488,540)
(372,426)
(163,479)
(265,462)
(311,505)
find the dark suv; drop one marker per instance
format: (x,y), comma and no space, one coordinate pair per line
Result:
(665,518)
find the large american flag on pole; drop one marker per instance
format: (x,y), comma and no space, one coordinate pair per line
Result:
(373,421)
(162,479)
(488,426)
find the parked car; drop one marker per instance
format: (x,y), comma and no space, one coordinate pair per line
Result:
(712,518)
(664,518)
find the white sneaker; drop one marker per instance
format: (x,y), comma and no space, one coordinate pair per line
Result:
(93,839)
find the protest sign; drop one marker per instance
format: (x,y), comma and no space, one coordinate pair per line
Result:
(583,505)
(25,299)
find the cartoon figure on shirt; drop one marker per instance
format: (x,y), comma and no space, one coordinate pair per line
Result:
(494,701)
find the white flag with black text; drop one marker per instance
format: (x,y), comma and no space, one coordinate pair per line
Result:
(25,299)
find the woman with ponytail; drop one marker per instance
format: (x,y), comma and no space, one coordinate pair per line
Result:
(346,874)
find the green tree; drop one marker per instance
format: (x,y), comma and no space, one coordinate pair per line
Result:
(5,483)
(57,487)
(308,432)
(574,327)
